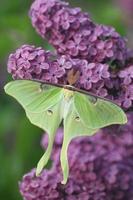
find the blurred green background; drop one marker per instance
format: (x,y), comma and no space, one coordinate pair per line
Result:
(19,140)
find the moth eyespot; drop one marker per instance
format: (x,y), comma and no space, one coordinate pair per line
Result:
(42,87)
(49,112)
(93,100)
(77,119)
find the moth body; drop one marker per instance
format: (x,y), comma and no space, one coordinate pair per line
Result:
(68,94)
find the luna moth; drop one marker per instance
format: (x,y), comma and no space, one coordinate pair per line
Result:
(47,105)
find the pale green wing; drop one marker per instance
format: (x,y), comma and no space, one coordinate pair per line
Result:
(73,127)
(42,107)
(33,95)
(98,113)
(50,120)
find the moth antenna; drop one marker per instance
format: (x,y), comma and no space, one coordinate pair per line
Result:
(73,76)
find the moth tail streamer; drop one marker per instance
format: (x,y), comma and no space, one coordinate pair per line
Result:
(64,161)
(45,158)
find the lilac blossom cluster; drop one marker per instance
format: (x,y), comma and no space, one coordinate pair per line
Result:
(29,62)
(100,168)
(73,33)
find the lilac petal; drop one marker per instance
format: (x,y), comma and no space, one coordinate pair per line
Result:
(95,78)
(25,55)
(82,47)
(93,38)
(74,51)
(127,80)
(20,73)
(103,92)
(127,103)
(32,56)
(122,74)
(88,73)
(86,32)
(77,38)
(109,53)
(70,44)
(105,74)
(68,65)
(62,60)
(44,66)
(60,72)
(66,25)
(46,76)
(54,79)
(28,75)
(11,64)
(91,65)
(37,70)
(100,45)
(93,51)
(87,85)
(41,59)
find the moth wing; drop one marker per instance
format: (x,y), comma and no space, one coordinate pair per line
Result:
(73,127)
(99,113)
(32,95)
(42,107)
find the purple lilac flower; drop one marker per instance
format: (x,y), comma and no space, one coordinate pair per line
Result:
(72,32)
(126,95)
(127,75)
(122,84)
(29,62)
(35,63)
(100,168)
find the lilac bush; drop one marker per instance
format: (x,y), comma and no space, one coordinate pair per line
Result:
(103,172)
(101,165)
